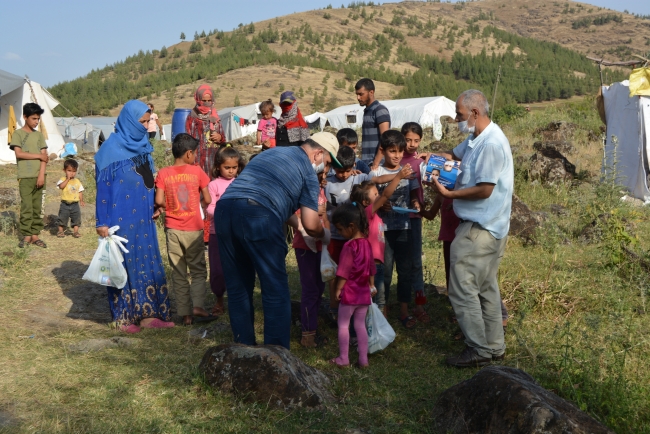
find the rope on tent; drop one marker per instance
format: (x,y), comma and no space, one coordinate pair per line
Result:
(41,126)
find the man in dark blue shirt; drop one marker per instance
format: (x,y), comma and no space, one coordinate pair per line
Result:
(249,221)
(376,120)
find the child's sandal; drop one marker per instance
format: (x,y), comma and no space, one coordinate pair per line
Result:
(408,322)
(39,243)
(76,235)
(60,234)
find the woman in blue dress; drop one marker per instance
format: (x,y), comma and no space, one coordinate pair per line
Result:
(125,198)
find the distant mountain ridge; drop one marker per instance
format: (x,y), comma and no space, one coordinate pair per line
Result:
(410,49)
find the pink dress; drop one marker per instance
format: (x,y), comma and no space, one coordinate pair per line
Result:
(216,187)
(376,234)
(356,265)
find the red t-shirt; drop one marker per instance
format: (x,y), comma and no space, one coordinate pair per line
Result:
(182,186)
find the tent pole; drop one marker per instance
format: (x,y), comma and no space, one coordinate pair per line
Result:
(494,97)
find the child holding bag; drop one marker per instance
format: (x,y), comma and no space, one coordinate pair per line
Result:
(355,281)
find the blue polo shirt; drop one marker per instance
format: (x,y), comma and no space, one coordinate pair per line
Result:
(486,158)
(280,179)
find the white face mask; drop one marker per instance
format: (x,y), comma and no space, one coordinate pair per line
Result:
(320,168)
(463,128)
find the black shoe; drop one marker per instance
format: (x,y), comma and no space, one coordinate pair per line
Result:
(468,358)
(499,358)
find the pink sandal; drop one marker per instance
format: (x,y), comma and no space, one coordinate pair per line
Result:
(158,324)
(131,328)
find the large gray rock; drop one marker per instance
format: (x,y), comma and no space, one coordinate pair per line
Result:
(548,164)
(500,399)
(9,197)
(267,374)
(523,221)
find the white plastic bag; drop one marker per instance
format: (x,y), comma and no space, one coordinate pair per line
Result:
(106,268)
(380,333)
(327,266)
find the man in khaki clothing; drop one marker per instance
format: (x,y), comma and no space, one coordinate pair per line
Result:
(482,201)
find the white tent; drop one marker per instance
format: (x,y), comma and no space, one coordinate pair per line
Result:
(86,136)
(421,110)
(316,120)
(17,91)
(628,119)
(231,119)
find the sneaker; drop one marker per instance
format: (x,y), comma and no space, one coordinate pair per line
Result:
(468,358)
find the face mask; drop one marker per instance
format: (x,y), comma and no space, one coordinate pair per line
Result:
(463,128)
(320,168)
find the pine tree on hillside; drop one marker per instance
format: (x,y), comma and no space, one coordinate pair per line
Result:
(171,106)
(182,36)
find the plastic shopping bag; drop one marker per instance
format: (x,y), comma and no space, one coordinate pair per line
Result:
(380,333)
(327,266)
(106,268)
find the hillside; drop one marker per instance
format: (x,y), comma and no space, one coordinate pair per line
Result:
(409,48)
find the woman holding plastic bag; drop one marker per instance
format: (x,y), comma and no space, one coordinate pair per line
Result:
(125,198)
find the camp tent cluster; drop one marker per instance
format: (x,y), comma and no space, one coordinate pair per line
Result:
(627,149)
(15,92)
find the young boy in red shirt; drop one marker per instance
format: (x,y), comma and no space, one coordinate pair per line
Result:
(178,191)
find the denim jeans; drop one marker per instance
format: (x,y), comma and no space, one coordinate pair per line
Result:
(416,266)
(398,251)
(251,239)
(380,297)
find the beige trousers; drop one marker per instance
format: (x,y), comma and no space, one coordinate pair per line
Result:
(187,251)
(474,288)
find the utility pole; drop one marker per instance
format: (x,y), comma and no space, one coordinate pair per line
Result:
(494,97)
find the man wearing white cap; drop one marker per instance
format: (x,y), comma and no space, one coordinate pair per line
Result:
(249,222)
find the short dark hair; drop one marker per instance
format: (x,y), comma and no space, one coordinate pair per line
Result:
(70,163)
(392,138)
(224,154)
(352,212)
(366,83)
(182,143)
(31,108)
(361,192)
(347,136)
(412,127)
(346,157)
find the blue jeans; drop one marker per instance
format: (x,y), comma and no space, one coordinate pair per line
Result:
(251,239)
(416,266)
(380,297)
(398,251)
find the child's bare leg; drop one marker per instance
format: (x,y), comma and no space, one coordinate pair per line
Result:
(218,308)
(61,232)
(403,310)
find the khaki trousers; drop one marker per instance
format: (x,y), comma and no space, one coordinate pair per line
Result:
(474,288)
(31,207)
(187,251)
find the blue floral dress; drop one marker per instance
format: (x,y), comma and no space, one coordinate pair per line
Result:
(125,197)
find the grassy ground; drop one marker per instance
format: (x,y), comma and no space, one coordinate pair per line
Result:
(579,326)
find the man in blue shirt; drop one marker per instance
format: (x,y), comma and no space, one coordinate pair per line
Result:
(249,221)
(482,201)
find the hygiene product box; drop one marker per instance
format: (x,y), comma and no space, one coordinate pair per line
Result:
(446,170)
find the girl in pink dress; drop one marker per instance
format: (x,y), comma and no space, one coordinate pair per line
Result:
(355,280)
(227,165)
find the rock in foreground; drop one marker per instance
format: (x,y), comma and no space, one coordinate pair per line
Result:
(500,399)
(267,374)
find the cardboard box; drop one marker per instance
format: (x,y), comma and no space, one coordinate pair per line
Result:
(446,170)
